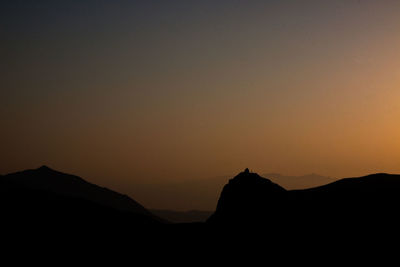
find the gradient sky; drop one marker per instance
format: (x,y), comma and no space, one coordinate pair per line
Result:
(135,92)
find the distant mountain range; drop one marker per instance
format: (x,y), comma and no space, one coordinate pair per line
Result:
(48,198)
(202,194)
(65,211)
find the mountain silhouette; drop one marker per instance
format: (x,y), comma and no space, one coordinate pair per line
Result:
(202,193)
(190,216)
(244,195)
(44,204)
(360,203)
(50,199)
(47,199)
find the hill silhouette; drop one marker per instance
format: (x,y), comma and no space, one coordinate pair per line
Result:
(360,203)
(353,203)
(44,204)
(203,193)
(190,216)
(50,199)
(57,182)
(245,195)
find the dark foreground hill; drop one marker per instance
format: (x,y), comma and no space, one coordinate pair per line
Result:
(253,215)
(48,199)
(370,203)
(190,216)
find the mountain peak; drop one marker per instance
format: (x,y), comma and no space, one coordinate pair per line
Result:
(45,179)
(247,177)
(44,168)
(246,193)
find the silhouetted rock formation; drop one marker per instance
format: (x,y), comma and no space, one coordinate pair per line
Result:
(353,203)
(245,197)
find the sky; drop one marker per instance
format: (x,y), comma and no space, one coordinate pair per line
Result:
(146,92)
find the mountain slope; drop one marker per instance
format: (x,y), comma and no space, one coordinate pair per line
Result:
(299,182)
(203,193)
(47,183)
(245,195)
(365,201)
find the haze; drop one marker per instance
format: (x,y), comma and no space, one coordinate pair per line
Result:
(150,92)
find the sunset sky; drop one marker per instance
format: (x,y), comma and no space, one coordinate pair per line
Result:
(135,92)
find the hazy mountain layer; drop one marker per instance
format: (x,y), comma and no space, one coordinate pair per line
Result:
(202,194)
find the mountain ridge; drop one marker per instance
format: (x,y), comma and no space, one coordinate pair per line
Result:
(370,199)
(67,185)
(203,193)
